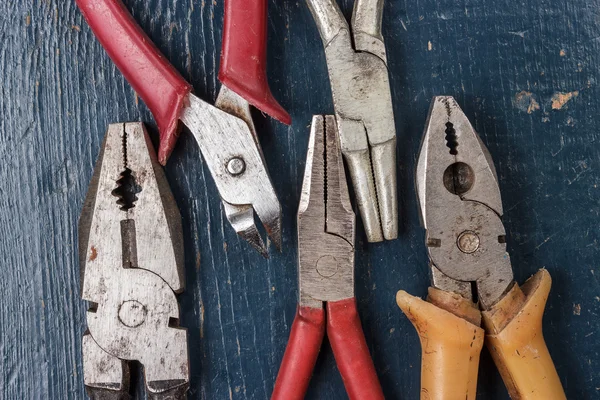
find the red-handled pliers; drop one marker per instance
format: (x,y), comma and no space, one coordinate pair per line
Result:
(326,228)
(225,132)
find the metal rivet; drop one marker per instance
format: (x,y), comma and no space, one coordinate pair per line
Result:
(327,266)
(236,166)
(468,242)
(132,313)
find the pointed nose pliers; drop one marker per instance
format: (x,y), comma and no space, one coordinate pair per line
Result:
(360,85)
(224,132)
(326,230)
(471,273)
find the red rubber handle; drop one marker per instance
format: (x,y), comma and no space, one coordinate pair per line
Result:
(244,56)
(156,81)
(300,355)
(351,352)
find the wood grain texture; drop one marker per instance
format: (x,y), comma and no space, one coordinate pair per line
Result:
(526,74)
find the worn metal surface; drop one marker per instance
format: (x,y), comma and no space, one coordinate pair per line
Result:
(460,205)
(326,222)
(525,73)
(363,106)
(224,133)
(131,255)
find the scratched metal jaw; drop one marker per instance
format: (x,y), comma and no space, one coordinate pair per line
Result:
(326,222)
(461,207)
(363,107)
(131,255)
(228,141)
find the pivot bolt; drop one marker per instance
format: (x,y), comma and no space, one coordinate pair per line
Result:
(468,242)
(327,266)
(132,313)
(236,166)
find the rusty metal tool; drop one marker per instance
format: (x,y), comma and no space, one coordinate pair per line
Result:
(224,132)
(326,230)
(131,258)
(357,64)
(471,273)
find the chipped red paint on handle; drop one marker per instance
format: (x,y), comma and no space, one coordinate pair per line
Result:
(351,352)
(155,80)
(300,355)
(244,56)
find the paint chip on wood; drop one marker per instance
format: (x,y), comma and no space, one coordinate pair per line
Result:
(429,46)
(526,102)
(576,309)
(559,99)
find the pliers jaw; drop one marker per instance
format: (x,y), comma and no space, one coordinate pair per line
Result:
(326,222)
(131,253)
(228,141)
(363,107)
(127,166)
(453,151)
(460,204)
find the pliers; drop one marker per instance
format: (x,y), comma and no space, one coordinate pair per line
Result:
(326,229)
(471,273)
(225,132)
(131,259)
(360,86)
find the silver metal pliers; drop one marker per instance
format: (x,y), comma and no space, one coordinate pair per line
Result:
(473,298)
(131,258)
(358,73)
(326,303)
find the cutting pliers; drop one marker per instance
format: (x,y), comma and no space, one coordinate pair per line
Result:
(326,229)
(131,259)
(471,273)
(360,86)
(225,132)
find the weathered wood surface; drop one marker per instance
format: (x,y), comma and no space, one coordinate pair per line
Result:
(526,73)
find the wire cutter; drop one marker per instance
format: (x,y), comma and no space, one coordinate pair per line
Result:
(326,228)
(358,74)
(461,210)
(225,132)
(131,258)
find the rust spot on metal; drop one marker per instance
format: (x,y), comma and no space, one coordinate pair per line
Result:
(93,253)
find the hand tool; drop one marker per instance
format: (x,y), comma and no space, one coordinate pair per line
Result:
(225,132)
(326,227)
(461,209)
(131,258)
(362,100)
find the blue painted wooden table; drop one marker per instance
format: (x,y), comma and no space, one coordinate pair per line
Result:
(526,73)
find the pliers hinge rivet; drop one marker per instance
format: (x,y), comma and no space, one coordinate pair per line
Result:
(236,166)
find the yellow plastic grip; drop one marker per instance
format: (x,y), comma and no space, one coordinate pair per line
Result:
(517,344)
(450,347)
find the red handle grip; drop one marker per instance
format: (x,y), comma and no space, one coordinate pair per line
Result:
(300,355)
(351,352)
(244,56)
(156,81)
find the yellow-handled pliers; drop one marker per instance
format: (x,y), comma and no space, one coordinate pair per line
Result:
(471,273)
